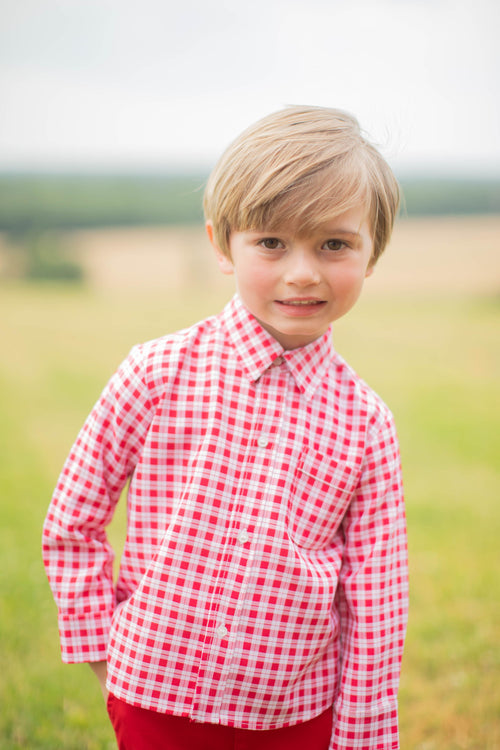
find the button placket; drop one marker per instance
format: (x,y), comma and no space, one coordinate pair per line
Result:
(269,423)
(259,461)
(219,647)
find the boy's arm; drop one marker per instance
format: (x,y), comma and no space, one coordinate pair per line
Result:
(77,556)
(373,603)
(100,669)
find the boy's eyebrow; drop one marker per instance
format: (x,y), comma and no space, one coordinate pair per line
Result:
(338,230)
(341,230)
(345,232)
(326,230)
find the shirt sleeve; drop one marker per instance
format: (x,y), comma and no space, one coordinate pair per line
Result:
(373,602)
(77,556)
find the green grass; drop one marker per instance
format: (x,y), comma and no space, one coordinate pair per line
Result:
(435,361)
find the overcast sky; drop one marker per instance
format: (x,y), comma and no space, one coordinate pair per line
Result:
(155,84)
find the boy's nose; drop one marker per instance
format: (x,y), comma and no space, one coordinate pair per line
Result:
(302,270)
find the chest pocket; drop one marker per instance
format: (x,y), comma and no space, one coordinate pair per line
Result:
(321,491)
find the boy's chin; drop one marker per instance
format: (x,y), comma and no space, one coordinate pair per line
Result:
(292,337)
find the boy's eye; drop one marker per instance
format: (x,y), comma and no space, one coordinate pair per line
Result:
(335,245)
(270,243)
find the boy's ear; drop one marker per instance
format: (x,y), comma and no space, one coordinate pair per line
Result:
(224,262)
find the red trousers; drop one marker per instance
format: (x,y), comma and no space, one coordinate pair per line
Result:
(140,729)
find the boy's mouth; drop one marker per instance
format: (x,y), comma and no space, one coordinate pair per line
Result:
(301,301)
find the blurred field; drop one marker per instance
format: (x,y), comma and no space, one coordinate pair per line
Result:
(452,254)
(425,336)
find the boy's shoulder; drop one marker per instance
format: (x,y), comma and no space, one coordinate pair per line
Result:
(154,361)
(178,340)
(357,394)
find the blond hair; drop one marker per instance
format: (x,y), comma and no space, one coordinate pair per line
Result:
(300,165)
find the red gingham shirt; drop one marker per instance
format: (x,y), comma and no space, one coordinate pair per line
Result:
(264,575)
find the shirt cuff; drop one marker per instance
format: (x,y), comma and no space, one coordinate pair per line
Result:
(376,728)
(84,638)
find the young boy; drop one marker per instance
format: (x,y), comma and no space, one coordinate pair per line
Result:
(262,593)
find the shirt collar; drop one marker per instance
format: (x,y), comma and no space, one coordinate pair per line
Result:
(258,350)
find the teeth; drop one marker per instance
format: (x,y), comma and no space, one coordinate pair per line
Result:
(302,302)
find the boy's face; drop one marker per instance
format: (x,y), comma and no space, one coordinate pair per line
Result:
(294,284)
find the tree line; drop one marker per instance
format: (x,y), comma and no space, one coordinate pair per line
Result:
(41,202)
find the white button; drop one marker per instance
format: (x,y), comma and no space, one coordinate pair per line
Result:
(222,631)
(262,441)
(278,361)
(243,536)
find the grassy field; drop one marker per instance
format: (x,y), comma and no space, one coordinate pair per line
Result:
(425,336)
